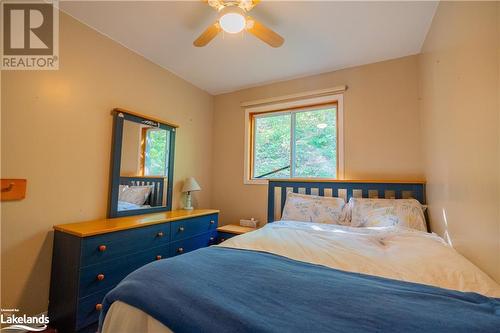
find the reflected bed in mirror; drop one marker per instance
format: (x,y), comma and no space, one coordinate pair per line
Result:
(142,164)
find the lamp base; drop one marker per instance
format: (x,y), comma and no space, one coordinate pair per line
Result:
(188,205)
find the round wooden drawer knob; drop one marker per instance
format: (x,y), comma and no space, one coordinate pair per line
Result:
(102,248)
(158,257)
(98,306)
(160,234)
(100,277)
(180,250)
(181,228)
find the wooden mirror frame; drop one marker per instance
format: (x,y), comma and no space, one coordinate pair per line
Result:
(119,116)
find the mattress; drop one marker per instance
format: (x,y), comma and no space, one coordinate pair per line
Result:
(396,253)
(124,318)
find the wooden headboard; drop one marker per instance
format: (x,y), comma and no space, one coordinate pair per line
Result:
(341,188)
(156,197)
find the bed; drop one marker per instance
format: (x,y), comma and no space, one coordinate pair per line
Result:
(303,276)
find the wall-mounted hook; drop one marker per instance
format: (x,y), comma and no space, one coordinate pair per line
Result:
(13,189)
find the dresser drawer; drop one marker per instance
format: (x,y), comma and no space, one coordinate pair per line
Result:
(110,246)
(107,275)
(192,227)
(87,312)
(193,243)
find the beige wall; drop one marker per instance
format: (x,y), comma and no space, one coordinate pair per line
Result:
(381,125)
(56,132)
(459,92)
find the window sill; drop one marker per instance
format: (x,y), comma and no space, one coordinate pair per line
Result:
(255,181)
(266,181)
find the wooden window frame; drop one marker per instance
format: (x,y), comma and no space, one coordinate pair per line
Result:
(142,156)
(293,106)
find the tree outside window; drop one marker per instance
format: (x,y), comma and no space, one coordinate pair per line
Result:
(155,152)
(295,144)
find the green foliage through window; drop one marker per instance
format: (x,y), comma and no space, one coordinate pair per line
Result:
(156,152)
(272,145)
(296,144)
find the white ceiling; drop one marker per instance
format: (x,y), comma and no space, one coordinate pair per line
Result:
(319,37)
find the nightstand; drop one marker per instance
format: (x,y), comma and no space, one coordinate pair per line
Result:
(227,231)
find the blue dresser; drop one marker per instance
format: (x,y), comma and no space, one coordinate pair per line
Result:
(90,258)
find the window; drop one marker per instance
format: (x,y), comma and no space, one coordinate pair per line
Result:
(295,136)
(155,143)
(299,143)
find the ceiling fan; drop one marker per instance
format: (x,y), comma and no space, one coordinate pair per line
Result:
(233,19)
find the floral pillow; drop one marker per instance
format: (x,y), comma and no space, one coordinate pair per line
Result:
(313,208)
(383,212)
(381,217)
(135,194)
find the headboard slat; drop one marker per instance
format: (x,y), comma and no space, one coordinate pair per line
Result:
(283,198)
(349,192)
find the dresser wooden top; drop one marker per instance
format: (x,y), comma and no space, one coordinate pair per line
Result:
(91,228)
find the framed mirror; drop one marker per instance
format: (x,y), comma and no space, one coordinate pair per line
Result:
(142,164)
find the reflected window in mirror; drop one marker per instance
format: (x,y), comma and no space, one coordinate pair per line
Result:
(142,168)
(154,151)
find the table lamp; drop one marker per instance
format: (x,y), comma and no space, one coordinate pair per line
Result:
(190,185)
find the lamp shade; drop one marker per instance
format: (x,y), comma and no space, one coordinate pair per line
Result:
(191,185)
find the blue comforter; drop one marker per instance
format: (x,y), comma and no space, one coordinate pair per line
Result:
(227,290)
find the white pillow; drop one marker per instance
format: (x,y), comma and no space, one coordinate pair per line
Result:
(313,208)
(121,189)
(370,212)
(134,194)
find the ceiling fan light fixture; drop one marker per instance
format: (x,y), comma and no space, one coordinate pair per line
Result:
(232,20)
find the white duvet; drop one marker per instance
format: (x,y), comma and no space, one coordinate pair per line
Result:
(391,252)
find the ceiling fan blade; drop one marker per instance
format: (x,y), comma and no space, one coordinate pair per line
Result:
(207,35)
(264,33)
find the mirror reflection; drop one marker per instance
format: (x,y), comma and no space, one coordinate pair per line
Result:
(144,166)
